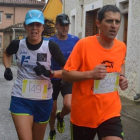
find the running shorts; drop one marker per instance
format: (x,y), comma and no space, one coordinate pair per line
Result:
(39,109)
(111,127)
(59,85)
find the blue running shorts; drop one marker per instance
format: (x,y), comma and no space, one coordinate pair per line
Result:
(39,109)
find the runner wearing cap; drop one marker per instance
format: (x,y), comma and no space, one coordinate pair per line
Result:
(31,100)
(66,43)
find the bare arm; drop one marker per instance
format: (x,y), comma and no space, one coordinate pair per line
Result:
(123,81)
(8,75)
(58,74)
(10,50)
(123,69)
(75,76)
(6,60)
(99,72)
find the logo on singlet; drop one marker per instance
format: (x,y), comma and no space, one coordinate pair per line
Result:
(108,63)
(42,57)
(24,59)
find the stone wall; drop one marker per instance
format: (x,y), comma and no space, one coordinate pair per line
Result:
(133,50)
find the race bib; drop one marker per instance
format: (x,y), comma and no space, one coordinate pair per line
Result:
(109,84)
(36,89)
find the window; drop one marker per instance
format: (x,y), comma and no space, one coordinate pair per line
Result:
(8,16)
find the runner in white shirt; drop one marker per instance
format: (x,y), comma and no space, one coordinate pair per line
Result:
(31,100)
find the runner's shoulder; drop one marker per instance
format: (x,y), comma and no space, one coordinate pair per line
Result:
(73,37)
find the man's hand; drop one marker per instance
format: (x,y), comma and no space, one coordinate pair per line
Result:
(8,75)
(99,72)
(40,69)
(123,83)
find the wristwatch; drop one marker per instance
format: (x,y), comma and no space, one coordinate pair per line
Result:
(52,73)
(122,75)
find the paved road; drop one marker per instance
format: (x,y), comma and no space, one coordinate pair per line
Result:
(7,129)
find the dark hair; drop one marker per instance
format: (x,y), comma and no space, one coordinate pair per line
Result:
(62,19)
(49,28)
(107,8)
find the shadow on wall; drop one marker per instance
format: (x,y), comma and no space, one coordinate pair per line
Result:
(80,35)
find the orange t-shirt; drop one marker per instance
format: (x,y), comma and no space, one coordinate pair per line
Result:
(89,109)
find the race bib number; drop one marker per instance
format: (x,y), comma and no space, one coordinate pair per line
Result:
(36,89)
(109,84)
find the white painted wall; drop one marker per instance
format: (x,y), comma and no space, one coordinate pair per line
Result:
(73,22)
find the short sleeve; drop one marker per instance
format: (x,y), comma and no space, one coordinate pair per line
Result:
(12,47)
(75,59)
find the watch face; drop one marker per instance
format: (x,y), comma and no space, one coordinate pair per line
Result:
(52,72)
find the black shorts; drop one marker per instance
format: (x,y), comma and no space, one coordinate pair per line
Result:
(111,127)
(64,87)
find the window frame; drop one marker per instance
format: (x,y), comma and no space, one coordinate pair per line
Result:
(8,15)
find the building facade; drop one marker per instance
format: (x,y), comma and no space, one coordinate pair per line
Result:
(13,12)
(83,14)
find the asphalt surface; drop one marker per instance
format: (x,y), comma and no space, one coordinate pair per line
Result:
(130,114)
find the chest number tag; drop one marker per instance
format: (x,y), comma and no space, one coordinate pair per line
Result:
(35,89)
(109,84)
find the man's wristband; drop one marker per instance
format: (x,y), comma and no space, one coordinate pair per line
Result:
(52,73)
(122,75)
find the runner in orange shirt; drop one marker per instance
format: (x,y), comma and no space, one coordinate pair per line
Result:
(96,66)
